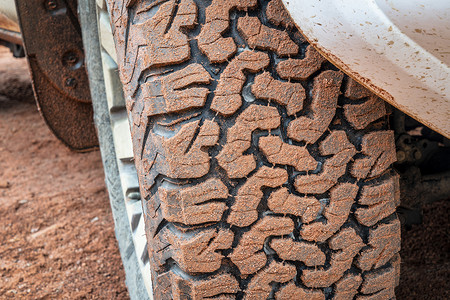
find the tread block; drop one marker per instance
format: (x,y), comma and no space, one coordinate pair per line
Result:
(347,287)
(262,37)
(277,15)
(291,291)
(119,18)
(192,255)
(386,294)
(260,286)
(164,283)
(379,149)
(301,69)
(381,199)
(284,93)
(187,205)
(341,200)
(159,41)
(361,115)
(278,152)
(210,40)
(355,91)
(288,249)
(346,240)
(183,155)
(168,43)
(160,248)
(239,137)
(325,93)
(199,254)
(152,216)
(381,283)
(227,97)
(247,255)
(244,212)
(222,287)
(283,202)
(384,242)
(338,145)
(170,93)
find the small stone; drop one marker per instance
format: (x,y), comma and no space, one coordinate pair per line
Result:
(215,70)
(5,184)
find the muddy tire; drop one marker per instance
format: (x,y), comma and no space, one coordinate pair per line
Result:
(265,171)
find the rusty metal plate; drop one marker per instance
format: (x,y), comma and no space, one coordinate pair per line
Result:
(52,39)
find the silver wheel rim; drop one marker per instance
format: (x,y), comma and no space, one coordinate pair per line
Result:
(122,142)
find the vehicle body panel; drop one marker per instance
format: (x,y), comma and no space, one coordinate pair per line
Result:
(400,50)
(8,15)
(403,65)
(9,24)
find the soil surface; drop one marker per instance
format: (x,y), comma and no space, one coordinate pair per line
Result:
(56,228)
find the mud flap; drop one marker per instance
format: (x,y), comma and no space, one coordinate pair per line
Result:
(52,40)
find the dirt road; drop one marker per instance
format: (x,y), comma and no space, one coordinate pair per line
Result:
(56,228)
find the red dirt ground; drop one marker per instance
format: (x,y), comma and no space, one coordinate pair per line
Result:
(56,229)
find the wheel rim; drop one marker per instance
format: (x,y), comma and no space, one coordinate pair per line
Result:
(122,143)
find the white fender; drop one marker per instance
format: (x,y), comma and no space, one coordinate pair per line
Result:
(399,49)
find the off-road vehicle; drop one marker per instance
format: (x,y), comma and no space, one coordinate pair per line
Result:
(248,145)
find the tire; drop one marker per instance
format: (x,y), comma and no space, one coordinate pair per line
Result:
(265,172)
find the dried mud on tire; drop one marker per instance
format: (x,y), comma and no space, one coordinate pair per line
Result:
(265,170)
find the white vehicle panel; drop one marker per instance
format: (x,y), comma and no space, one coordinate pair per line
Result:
(8,16)
(398,60)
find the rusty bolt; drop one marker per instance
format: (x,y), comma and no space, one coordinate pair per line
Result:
(70,58)
(71,82)
(52,4)
(417,154)
(401,156)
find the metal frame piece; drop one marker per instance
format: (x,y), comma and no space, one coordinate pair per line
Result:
(53,44)
(10,36)
(8,11)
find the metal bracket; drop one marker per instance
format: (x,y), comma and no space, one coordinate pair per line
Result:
(52,38)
